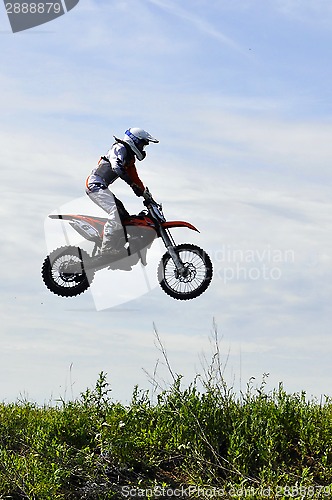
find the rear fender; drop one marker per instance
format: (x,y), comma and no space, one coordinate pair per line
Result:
(91,228)
(86,218)
(178,223)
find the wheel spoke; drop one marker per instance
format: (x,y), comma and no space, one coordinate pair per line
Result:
(195,274)
(59,275)
(63,271)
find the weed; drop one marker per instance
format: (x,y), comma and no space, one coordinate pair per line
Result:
(93,447)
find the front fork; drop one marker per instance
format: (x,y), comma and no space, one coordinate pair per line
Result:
(170,245)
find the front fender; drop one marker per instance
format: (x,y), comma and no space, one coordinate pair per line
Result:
(178,223)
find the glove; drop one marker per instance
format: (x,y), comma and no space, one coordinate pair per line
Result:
(137,190)
(146,194)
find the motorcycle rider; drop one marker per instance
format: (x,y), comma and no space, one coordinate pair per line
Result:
(118,162)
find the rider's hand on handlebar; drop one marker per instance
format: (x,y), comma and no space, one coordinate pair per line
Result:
(147,195)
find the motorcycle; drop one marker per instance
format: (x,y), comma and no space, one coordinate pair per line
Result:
(184,272)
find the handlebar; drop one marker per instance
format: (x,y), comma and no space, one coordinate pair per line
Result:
(147,196)
(154,208)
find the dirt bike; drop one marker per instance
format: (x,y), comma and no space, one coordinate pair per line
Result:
(184,272)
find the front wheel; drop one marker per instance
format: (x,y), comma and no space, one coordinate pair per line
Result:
(195,278)
(60,278)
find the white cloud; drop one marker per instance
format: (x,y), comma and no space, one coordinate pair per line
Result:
(197,21)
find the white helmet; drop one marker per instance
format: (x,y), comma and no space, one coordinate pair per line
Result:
(137,139)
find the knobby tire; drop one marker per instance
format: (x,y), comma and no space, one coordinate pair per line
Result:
(199,276)
(70,284)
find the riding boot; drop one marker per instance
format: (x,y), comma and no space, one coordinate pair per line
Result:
(110,244)
(113,250)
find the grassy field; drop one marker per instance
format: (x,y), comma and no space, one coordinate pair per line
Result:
(190,443)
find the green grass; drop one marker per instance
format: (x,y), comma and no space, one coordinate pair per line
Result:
(260,444)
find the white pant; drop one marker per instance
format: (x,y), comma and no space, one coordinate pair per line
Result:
(106,200)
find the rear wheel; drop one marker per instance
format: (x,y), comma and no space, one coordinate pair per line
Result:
(63,271)
(194,280)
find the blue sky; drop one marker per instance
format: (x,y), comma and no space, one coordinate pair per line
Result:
(239,94)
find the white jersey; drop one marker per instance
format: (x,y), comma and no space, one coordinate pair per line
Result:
(115,159)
